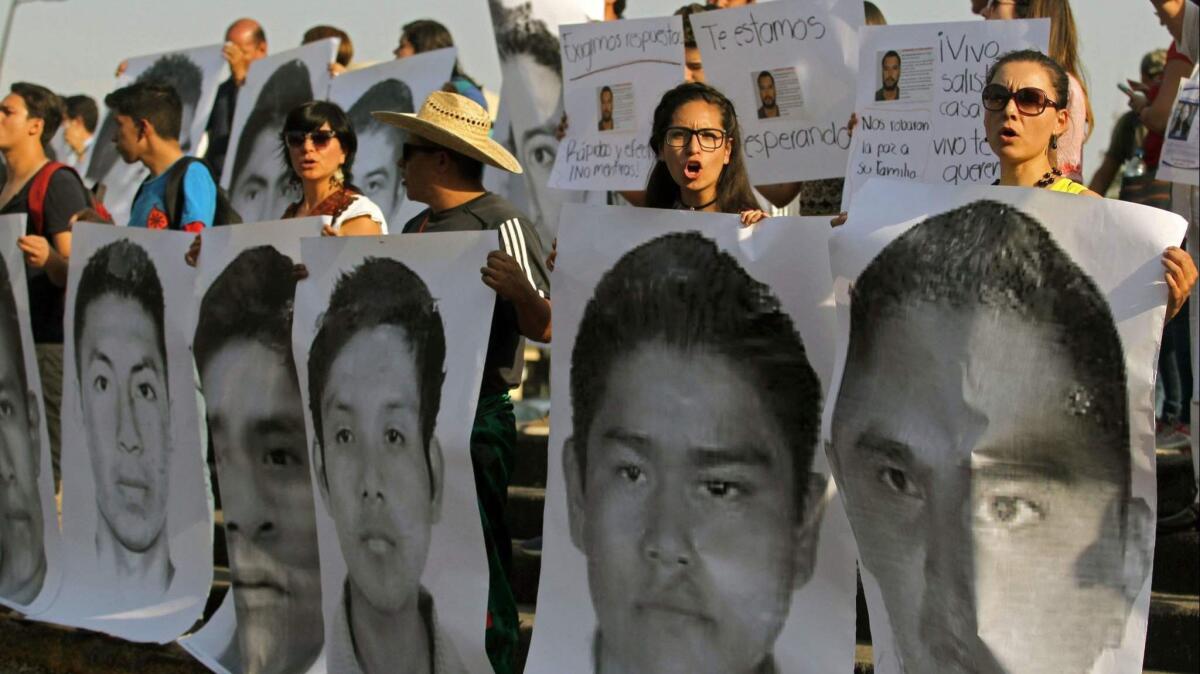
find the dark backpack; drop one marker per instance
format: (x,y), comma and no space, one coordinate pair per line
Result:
(40,186)
(224,214)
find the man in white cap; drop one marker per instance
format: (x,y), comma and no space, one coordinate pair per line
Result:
(448,145)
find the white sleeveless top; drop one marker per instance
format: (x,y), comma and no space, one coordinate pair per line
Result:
(359,207)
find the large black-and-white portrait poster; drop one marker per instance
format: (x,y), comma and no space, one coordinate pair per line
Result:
(992,435)
(29,543)
(401,85)
(254,172)
(241,335)
(531,102)
(690,524)
(389,340)
(195,75)
(136,520)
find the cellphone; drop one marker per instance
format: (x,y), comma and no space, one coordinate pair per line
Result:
(1125,88)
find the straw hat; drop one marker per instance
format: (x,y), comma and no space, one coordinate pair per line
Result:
(456,123)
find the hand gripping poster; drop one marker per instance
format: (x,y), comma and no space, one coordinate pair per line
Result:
(531,106)
(389,339)
(395,86)
(30,559)
(992,430)
(241,332)
(137,529)
(787,66)
(691,524)
(195,75)
(614,74)
(919,100)
(254,173)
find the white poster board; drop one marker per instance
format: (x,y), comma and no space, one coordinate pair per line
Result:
(414,543)
(614,74)
(1180,161)
(30,559)
(240,330)
(718,566)
(254,174)
(786,66)
(531,102)
(397,86)
(992,427)
(137,530)
(195,74)
(933,131)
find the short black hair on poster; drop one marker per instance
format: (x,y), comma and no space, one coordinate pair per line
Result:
(250,299)
(992,255)
(381,292)
(121,268)
(683,291)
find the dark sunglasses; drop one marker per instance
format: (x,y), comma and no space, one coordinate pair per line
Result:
(1029,100)
(410,149)
(320,139)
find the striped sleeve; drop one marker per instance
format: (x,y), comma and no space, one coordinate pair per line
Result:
(521,241)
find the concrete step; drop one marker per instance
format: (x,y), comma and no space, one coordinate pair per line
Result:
(526,573)
(1171,638)
(1177,563)
(526,506)
(532,441)
(28,647)
(1176,485)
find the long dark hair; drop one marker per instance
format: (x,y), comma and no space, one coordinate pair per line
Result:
(311,116)
(428,35)
(733,187)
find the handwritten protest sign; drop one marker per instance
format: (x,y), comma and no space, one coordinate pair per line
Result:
(920,116)
(1180,161)
(785,66)
(614,74)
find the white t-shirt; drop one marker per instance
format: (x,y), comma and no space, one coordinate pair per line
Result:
(359,207)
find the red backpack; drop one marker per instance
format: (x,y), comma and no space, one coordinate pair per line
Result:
(40,185)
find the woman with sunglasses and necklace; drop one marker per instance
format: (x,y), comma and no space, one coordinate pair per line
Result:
(318,150)
(700,163)
(1025,113)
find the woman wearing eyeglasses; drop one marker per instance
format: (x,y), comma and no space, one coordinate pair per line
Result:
(1064,48)
(699,147)
(1025,112)
(318,148)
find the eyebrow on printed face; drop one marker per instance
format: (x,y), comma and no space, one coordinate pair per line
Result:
(700,456)
(1005,462)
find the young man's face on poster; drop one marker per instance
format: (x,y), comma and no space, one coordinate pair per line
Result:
(270,525)
(22,555)
(377,477)
(890,69)
(979,493)
(766,90)
(687,512)
(126,415)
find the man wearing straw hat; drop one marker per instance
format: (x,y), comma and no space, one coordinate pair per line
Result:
(447,146)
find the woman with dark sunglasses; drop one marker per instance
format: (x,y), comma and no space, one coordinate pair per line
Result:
(318,146)
(1025,113)
(700,162)
(1064,49)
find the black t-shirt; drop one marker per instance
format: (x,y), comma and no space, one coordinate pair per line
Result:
(506,348)
(220,127)
(65,196)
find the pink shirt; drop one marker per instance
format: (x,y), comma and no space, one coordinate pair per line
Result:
(1070,144)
